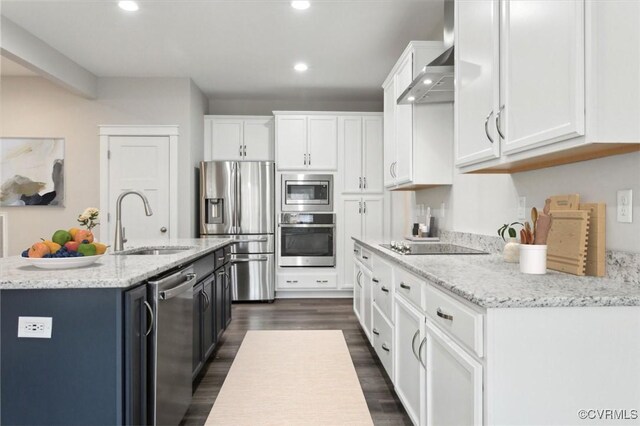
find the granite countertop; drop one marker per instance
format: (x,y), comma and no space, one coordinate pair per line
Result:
(111,271)
(488,281)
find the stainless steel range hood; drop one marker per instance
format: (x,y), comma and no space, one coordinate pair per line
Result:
(435,81)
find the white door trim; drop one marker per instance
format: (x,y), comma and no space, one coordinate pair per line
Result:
(105,132)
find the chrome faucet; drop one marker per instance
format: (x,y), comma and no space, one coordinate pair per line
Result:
(120,239)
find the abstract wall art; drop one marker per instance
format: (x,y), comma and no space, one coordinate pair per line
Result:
(31,172)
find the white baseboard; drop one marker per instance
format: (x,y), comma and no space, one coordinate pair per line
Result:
(314,294)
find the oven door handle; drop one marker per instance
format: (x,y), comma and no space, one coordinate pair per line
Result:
(287,225)
(255,240)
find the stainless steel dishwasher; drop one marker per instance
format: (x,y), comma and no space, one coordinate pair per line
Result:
(171,298)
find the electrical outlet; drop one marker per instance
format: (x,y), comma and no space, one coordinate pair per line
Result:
(35,327)
(522,208)
(625,206)
(442,213)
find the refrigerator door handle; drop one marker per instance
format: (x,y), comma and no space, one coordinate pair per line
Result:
(236,182)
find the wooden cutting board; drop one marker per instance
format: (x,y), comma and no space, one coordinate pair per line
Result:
(596,253)
(567,242)
(565,202)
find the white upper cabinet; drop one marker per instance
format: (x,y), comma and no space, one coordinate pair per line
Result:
(306,142)
(544,81)
(418,139)
(476,73)
(360,141)
(238,138)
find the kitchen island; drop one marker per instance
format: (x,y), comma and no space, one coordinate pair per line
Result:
(97,365)
(468,339)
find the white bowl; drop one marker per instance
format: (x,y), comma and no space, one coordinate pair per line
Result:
(62,262)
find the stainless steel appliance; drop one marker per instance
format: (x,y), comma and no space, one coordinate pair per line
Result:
(307,239)
(307,193)
(171,304)
(237,201)
(429,248)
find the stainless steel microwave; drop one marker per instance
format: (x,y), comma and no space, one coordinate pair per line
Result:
(307,193)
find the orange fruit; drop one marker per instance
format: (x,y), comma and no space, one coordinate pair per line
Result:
(53,247)
(39,250)
(73,231)
(82,235)
(100,248)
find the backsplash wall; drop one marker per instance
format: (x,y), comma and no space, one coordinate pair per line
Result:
(480,204)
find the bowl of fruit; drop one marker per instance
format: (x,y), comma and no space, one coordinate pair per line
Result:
(74,248)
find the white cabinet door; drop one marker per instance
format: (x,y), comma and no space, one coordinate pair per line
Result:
(258,140)
(367,301)
(291,140)
(409,372)
(323,142)
(373,218)
(372,142)
(389,134)
(477,81)
(542,83)
(453,382)
(404,124)
(350,137)
(226,139)
(351,227)
(357,292)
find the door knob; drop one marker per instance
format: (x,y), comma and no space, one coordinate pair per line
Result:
(163,229)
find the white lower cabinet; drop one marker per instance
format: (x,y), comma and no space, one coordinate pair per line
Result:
(357,292)
(408,366)
(365,279)
(453,382)
(382,340)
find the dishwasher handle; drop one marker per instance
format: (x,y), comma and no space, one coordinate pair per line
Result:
(180,288)
(249,259)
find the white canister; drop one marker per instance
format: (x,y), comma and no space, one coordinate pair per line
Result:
(511,252)
(533,259)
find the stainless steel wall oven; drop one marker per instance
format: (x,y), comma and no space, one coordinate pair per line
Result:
(307,239)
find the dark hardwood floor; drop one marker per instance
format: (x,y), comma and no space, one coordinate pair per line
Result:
(299,314)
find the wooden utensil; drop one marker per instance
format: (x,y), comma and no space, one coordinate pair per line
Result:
(534,220)
(547,206)
(527,229)
(543,226)
(596,252)
(567,241)
(524,238)
(565,202)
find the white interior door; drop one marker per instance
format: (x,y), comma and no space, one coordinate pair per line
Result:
(140,163)
(226,139)
(258,140)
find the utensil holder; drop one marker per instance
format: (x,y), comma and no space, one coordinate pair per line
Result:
(533,259)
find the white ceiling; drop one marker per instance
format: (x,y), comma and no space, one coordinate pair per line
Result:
(9,68)
(238,49)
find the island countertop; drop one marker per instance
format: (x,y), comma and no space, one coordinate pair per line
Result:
(488,281)
(111,271)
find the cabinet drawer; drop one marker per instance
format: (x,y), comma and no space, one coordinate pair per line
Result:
(410,286)
(382,334)
(383,287)
(366,258)
(295,282)
(461,322)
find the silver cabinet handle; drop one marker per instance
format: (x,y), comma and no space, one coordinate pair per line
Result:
(256,240)
(240,151)
(376,332)
(151,320)
(360,182)
(359,207)
(358,278)
(391,169)
(305,159)
(364,210)
(498,122)
(365,257)
(163,229)
(386,290)
(375,280)
(221,259)
(244,152)
(486,126)
(443,315)
(309,158)
(395,163)
(257,259)
(385,347)
(355,251)
(406,287)
(420,351)
(364,182)
(413,344)
(207,301)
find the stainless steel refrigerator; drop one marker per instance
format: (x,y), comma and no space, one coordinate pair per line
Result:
(237,201)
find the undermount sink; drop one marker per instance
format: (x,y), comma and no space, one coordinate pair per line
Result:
(152,251)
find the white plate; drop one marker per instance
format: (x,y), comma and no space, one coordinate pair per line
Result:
(63,262)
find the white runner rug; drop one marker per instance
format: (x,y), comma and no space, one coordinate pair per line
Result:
(291,378)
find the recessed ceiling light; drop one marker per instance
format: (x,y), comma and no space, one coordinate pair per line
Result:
(427,81)
(128,5)
(411,98)
(300,67)
(300,5)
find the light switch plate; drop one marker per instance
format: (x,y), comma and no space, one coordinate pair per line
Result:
(522,208)
(35,327)
(625,206)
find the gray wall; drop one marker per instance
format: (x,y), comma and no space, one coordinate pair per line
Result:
(267,106)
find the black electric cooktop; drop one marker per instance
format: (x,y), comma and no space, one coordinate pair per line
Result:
(430,249)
